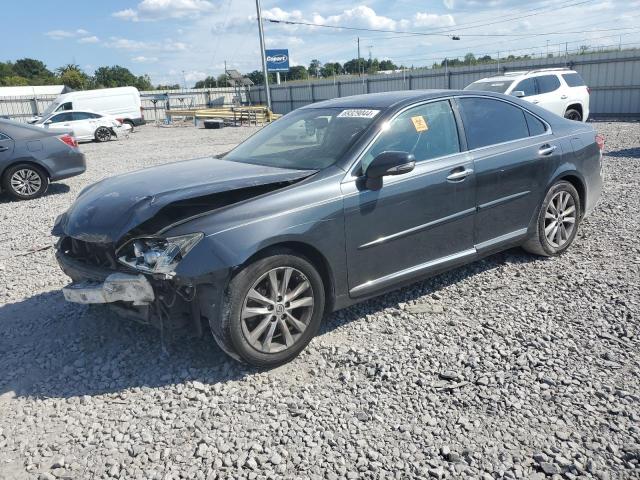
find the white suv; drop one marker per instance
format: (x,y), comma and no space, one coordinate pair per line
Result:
(559,90)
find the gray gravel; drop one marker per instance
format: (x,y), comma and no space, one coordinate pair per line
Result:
(512,367)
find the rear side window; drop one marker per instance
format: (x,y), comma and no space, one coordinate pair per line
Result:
(548,83)
(536,127)
(4,137)
(528,86)
(488,122)
(427,131)
(573,79)
(62,117)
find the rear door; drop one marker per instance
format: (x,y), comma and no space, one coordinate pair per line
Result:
(418,221)
(513,154)
(551,95)
(84,124)
(6,149)
(60,122)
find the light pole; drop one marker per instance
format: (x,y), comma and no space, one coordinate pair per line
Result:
(262,55)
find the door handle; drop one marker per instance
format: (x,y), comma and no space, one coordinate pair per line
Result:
(4,149)
(460,175)
(564,97)
(535,101)
(546,150)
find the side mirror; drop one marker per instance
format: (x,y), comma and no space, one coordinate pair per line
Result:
(518,93)
(388,163)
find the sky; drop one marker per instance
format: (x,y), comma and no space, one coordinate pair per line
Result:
(176,41)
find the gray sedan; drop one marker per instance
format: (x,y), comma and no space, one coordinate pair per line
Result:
(334,203)
(30,158)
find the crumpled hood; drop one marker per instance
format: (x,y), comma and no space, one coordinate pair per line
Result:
(107,210)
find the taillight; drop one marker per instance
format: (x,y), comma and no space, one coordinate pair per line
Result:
(69,140)
(600,141)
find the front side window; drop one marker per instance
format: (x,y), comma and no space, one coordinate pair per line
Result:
(428,131)
(65,106)
(306,139)
(489,122)
(82,115)
(548,83)
(4,137)
(528,86)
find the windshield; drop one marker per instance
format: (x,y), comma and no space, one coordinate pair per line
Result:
(497,86)
(50,109)
(306,139)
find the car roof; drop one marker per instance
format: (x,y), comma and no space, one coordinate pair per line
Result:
(18,130)
(517,75)
(384,100)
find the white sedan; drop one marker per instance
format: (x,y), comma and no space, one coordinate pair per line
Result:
(85,125)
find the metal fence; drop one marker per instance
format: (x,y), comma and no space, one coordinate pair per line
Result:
(24,107)
(613,77)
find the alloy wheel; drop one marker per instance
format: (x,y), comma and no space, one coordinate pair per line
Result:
(560,219)
(277,310)
(103,134)
(26,182)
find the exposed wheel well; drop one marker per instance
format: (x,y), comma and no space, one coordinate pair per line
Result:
(579,186)
(314,256)
(575,106)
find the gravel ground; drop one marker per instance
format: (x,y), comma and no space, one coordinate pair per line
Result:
(512,367)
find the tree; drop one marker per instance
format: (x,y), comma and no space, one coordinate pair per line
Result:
(314,68)
(175,86)
(14,81)
(353,66)
(31,69)
(208,82)
(118,76)
(388,65)
(470,59)
(74,79)
(331,69)
(298,72)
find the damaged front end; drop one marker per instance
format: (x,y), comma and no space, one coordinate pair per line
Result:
(153,298)
(113,245)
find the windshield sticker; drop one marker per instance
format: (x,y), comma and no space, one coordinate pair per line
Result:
(420,123)
(358,113)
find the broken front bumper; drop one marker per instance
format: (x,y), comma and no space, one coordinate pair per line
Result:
(117,287)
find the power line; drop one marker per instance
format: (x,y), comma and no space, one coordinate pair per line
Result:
(427,34)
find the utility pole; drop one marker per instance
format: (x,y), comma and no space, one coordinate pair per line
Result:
(359,56)
(263,55)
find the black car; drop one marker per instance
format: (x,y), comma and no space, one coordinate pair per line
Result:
(31,157)
(329,205)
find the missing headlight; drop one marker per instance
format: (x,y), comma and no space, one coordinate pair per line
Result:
(157,254)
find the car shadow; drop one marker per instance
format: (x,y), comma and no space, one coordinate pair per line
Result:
(53,349)
(625,153)
(54,189)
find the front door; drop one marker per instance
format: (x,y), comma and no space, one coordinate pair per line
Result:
(419,221)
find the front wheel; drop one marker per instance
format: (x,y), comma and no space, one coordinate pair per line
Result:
(272,310)
(557,222)
(103,134)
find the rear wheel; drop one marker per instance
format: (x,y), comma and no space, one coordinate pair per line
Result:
(25,181)
(573,114)
(103,134)
(272,310)
(557,222)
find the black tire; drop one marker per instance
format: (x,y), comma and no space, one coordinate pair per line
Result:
(36,174)
(228,329)
(131,124)
(102,134)
(539,244)
(573,114)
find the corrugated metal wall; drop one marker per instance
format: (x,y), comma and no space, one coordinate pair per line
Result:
(614,79)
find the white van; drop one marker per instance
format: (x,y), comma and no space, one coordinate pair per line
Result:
(122,103)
